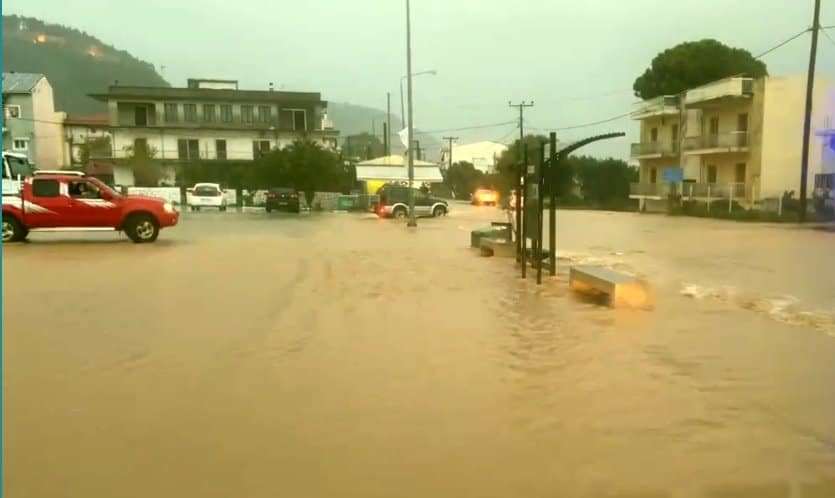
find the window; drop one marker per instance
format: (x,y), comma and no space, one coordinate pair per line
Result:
(170,113)
(246,114)
(81,189)
(20,144)
(11,111)
(714,126)
(190,112)
(653,175)
(140,147)
(739,176)
(674,137)
(264,114)
(226,113)
(711,174)
(18,167)
(209,113)
(188,149)
(44,188)
(299,119)
(259,148)
(653,135)
(220,149)
(140,115)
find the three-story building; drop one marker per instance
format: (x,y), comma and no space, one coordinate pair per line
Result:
(212,120)
(735,139)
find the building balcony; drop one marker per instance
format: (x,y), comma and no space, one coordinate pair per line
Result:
(736,141)
(650,190)
(704,191)
(654,150)
(664,105)
(719,91)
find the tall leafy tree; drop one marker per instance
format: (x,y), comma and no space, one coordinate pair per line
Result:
(692,64)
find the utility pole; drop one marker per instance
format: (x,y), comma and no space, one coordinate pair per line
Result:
(412,218)
(520,173)
(387,143)
(450,149)
(807,120)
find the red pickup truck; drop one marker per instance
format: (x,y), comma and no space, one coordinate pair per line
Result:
(59,201)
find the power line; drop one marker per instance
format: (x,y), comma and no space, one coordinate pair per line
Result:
(828,37)
(465,128)
(585,125)
(772,49)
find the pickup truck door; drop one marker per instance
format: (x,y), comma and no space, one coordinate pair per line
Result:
(88,207)
(46,207)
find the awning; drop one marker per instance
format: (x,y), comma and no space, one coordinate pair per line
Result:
(393,168)
(430,174)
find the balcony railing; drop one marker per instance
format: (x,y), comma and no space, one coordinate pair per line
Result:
(654,148)
(729,87)
(713,190)
(690,190)
(725,142)
(649,189)
(665,104)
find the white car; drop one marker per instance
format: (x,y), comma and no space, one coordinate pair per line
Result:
(206,195)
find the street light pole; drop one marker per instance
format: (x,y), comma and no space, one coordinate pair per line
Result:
(402,79)
(412,219)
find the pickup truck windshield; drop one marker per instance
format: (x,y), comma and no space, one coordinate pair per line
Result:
(18,167)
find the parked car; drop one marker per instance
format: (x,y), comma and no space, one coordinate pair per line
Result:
(485,197)
(208,195)
(394,203)
(59,201)
(282,198)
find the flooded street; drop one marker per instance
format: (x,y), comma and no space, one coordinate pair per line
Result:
(255,355)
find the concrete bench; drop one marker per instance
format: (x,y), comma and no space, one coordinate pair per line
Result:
(497,247)
(497,230)
(621,289)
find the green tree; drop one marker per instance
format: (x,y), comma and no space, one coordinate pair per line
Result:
(362,146)
(603,182)
(305,166)
(94,147)
(692,64)
(146,171)
(462,178)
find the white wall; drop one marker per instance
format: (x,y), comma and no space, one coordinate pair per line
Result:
(48,128)
(784,102)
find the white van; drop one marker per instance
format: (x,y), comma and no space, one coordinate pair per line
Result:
(16,167)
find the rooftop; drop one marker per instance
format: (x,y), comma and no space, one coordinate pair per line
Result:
(98,119)
(172,93)
(20,82)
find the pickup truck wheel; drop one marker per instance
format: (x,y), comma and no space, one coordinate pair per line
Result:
(399,213)
(13,231)
(438,211)
(142,228)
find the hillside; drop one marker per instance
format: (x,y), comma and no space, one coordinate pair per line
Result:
(74,62)
(77,64)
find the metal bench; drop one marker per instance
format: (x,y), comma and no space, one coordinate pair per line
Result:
(622,290)
(497,230)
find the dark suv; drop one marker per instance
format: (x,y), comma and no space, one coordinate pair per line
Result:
(394,202)
(282,198)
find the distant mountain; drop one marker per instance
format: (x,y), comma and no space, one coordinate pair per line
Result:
(77,64)
(74,62)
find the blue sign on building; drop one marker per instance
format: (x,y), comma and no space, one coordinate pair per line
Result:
(673,175)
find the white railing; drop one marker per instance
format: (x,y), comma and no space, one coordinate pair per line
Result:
(691,190)
(732,140)
(649,189)
(729,87)
(664,104)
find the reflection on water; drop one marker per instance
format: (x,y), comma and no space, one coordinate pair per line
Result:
(341,356)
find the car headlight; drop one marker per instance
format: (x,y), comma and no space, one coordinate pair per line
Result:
(168,207)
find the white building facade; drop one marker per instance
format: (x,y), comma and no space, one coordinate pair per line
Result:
(482,155)
(736,139)
(31,126)
(212,120)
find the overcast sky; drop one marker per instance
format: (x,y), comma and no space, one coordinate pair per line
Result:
(576,59)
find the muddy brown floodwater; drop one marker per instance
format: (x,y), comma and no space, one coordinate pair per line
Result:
(250,355)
